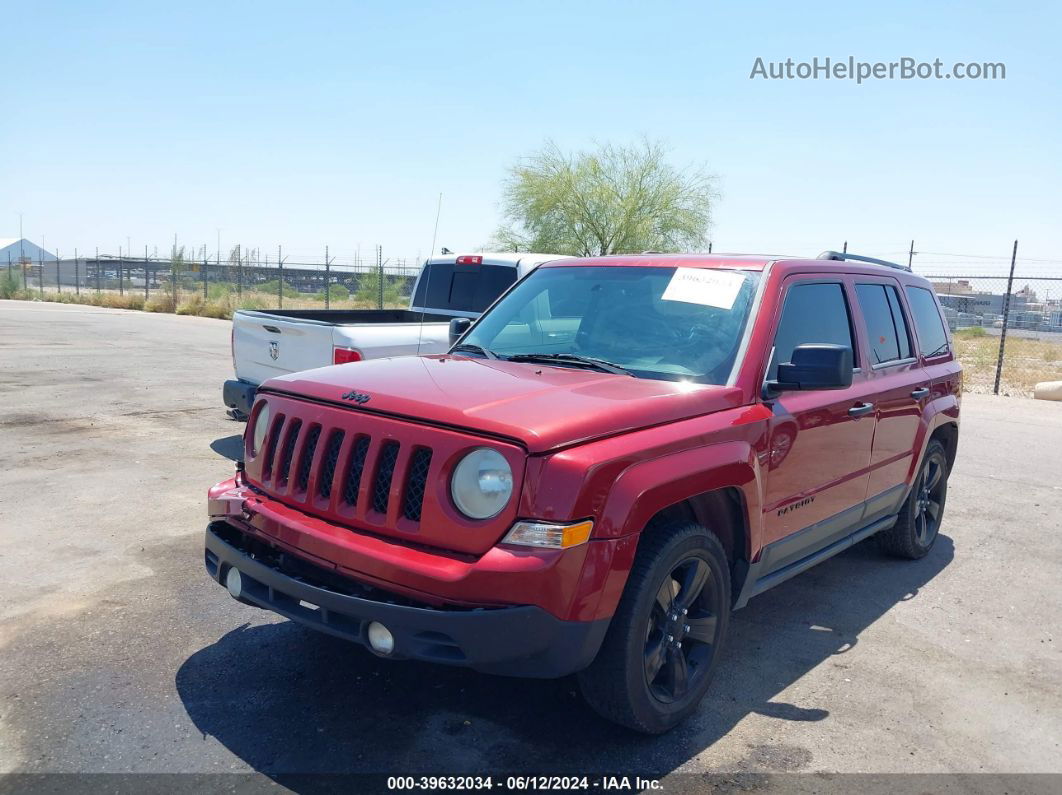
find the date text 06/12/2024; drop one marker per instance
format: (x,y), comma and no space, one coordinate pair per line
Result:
(523,783)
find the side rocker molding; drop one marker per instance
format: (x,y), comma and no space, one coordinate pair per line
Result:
(798,552)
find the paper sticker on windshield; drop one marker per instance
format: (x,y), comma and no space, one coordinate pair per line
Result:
(704,286)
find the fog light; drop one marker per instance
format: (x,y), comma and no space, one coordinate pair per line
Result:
(380,638)
(234,582)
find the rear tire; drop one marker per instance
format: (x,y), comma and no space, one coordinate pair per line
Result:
(919,521)
(663,644)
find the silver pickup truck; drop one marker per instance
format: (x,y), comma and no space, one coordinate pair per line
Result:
(277,342)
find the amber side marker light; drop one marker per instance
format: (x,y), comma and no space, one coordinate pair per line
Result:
(549,535)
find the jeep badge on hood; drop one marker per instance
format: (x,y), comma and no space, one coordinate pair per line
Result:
(355,397)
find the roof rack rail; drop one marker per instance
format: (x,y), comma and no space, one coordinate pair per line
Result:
(844,255)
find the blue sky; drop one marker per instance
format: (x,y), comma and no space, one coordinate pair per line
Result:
(311,124)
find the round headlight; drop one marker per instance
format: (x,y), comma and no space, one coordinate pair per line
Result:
(261,427)
(482,484)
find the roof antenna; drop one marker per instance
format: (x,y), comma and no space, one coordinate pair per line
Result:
(427,284)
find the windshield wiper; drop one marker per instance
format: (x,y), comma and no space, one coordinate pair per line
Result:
(467,347)
(574,358)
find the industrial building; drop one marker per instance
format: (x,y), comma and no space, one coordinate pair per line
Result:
(14,250)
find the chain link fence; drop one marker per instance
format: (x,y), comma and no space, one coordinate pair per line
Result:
(1007,341)
(185,285)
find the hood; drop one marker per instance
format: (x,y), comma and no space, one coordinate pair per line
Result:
(541,406)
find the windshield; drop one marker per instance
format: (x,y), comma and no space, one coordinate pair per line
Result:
(664,323)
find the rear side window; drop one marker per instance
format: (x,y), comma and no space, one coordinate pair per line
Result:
(903,335)
(462,288)
(932,338)
(812,313)
(886,327)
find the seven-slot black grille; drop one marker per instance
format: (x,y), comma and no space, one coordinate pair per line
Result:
(288,451)
(385,469)
(416,481)
(291,452)
(271,446)
(307,457)
(357,466)
(328,466)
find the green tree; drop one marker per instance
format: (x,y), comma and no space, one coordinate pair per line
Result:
(10,283)
(272,285)
(369,289)
(615,200)
(178,265)
(336,292)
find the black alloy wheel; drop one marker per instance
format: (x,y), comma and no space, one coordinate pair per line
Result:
(681,636)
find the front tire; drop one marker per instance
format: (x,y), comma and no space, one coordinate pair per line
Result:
(919,521)
(663,644)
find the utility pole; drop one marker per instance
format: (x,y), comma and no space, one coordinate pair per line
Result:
(121,270)
(910,255)
(239,272)
(1006,315)
(844,250)
(146,279)
(77,275)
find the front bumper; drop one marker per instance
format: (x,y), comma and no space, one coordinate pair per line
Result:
(513,641)
(239,396)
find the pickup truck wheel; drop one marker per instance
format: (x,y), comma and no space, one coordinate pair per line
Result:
(658,656)
(919,521)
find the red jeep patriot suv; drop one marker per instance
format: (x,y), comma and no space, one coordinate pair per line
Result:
(612,458)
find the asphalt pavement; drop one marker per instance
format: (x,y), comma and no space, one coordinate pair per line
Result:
(119,655)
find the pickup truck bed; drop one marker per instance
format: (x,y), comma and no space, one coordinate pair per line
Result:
(274,343)
(339,317)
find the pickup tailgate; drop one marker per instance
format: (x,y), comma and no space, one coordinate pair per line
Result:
(265,345)
(268,344)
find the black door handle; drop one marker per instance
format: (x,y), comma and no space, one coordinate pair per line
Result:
(860,409)
(920,393)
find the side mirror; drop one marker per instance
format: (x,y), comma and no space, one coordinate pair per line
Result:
(815,366)
(458,326)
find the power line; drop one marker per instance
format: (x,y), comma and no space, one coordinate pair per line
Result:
(992,257)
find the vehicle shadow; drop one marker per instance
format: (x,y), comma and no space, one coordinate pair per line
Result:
(289,701)
(230,447)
